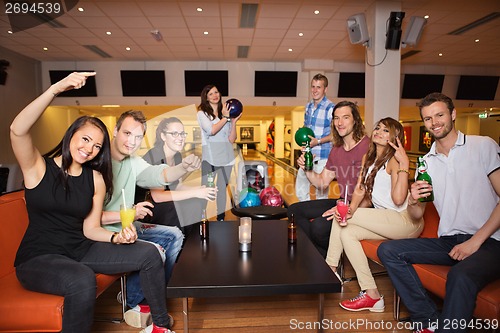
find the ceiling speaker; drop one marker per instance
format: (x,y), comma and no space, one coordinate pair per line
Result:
(393,36)
(357,29)
(413,31)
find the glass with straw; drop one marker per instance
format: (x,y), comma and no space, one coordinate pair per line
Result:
(343,208)
(127,212)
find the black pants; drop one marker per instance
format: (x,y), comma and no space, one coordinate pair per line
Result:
(307,215)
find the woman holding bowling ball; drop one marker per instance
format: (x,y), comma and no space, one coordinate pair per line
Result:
(218,133)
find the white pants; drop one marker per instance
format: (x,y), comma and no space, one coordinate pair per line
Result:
(303,186)
(368,223)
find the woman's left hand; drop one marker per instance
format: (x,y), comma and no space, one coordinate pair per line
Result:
(126,236)
(400,154)
(233,120)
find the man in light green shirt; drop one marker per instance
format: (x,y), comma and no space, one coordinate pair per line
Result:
(129,171)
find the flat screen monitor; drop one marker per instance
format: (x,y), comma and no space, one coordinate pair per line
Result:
(417,86)
(196,80)
(477,87)
(352,85)
(275,84)
(143,83)
(88,90)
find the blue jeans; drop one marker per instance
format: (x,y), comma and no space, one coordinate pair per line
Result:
(465,278)
(170,239)
(75,280)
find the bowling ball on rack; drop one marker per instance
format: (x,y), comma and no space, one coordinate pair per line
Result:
(234,107)
(270,196)
(249,198)
(302,135)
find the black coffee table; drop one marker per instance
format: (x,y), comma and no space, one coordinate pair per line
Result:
(216,268)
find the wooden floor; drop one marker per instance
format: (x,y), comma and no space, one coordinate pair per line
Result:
(289,313)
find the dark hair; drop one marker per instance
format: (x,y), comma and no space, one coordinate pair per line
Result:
(162,126)
(321,77)
(433,98)
(137,115)
(101,162)
(205,104)
(359,128)
(395,131)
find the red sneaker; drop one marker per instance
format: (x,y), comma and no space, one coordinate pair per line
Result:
(139,316)
(156,329)
(363,302)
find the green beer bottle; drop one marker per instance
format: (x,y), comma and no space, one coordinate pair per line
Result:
(210,179)
(308,158)
(423,175)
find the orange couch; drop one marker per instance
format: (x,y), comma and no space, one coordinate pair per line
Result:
(22,310)
(433,277)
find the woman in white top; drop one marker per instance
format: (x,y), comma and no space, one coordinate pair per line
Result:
(218,133)
(383,184)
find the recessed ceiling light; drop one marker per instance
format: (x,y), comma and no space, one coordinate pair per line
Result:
(316,12)
(9,31)
(127,48)
(199,9)
(80,9)
(426,17)
(205,32)
(108,33)
(476,40)
(440,54)
(45,48)
(290,50)
(301,34)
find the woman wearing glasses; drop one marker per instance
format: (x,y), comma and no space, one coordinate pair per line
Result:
(218,133)
(177,204)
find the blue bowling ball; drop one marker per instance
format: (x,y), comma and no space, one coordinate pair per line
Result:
(249,198)
(234,107)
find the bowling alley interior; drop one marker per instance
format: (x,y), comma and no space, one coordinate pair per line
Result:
(156,56)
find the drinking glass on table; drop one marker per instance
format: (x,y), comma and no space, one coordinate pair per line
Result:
(343,208)
(127,215)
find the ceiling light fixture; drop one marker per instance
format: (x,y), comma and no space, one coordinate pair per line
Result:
(80,9)
(97,50)
(199,9)
(128,48)
(108,33)
(205,32)
(476,40)
(316,12)
(157,35)
(45,49)
(290,50)
(301,34)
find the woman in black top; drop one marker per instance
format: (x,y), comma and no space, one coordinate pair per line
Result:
(65,245)
(177,204)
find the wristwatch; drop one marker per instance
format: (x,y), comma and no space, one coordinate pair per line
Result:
(227,117)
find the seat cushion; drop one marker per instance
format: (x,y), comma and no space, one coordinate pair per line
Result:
(28,309)
(433,278)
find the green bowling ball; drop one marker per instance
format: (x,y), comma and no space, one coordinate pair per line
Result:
(302,135)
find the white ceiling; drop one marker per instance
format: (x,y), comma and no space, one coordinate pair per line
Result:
(277,28)
(278,24)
